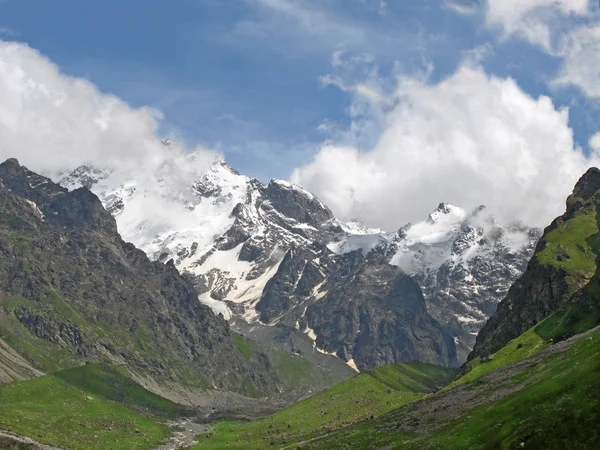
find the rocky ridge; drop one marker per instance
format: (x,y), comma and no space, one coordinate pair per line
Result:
(561,278)
(72,291)
(281,268)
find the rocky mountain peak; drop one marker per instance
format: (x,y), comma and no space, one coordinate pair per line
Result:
(93,297)
(588,184)
(266,255)
(561,277)
(11,163)
(14,175)
(226,166)
(584,190)
(79,208)
(297,203)
(445,212)
(85,176)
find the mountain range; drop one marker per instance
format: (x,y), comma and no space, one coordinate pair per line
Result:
(72,291)
(128,345)
(275,262)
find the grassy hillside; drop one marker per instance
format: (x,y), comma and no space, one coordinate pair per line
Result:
(562,279)
(88,407)
(367,395)
(551,401)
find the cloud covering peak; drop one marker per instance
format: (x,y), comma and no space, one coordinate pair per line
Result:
(52,122)
(471,139)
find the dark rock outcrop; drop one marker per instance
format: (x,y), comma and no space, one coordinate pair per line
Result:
(67,279)
(563,271)
(362,310)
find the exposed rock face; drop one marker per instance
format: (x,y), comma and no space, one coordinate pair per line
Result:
(297,204)
(265,254)
(13,367)
(464,264)
(366,312)
(562,272)
(72,290)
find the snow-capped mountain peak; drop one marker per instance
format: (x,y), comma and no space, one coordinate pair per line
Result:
(446,213)
(250,246)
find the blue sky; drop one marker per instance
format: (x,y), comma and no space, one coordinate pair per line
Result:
(270,82)
(244,76)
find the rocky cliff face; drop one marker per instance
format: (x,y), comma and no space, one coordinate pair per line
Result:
(273,255)
(71,290)
(463,262)
(561,277)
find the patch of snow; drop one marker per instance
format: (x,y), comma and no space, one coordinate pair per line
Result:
(310,333)
(355,226)
(252,289)
(305,226)
(363,242)
(37,185)
(323,351)
(293,187)
(316,292)
(35,208)
(466,319)
(217,306)
(251,314)
(352,364)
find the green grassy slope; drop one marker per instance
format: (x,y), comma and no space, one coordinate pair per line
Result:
(367,395)
(88,407)
(557,327)
(551,404)
(562,279)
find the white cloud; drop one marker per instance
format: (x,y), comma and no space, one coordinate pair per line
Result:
(322,27)
(316,25)
(6,32)
(533,19)
(595,143)
(465,8)
(580,50)
(53,122)
(471,139)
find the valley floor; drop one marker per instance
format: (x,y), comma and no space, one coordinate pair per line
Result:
(532,393)
(548,401)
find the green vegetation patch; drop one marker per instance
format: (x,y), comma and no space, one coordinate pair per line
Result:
(244,345)
(112,383)
(11,221)
(88,407)
(525,346)
(558,407)
(40,353)
(293,369)
(564,324)
(573,245)
(365,396)
(416,376)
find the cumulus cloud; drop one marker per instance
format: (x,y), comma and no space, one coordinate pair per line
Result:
(532,19)
(471,139)
(551,24)
(580,50)
(52,122)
